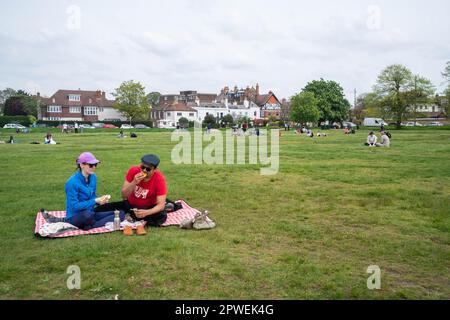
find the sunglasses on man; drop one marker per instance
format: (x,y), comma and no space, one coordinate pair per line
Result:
(91,165)
(148,169)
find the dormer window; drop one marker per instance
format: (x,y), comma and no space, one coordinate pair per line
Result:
(74,97)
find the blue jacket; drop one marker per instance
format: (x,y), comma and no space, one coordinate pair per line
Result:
(80,196)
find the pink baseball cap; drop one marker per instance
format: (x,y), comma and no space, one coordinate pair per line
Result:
(87,157)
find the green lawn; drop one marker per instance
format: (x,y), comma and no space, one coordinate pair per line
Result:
(309,232)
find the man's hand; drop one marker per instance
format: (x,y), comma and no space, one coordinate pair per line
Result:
(139,177)
(141,213)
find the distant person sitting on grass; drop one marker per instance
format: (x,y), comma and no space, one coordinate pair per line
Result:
(144,191)
(121,135)
(49,139)
(81,199)
(385,141)
(371,139)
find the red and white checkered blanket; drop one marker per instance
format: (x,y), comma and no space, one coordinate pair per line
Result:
(173,219)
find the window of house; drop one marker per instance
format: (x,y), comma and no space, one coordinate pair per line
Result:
(100,109)
(168,114)
(54,109)
(74,97)
(54,118)
(191,114)
(75,109)
(179,114)
(90,111)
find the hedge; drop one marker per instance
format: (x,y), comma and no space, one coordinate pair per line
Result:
(23,120)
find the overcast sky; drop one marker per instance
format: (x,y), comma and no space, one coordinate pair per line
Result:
(204,45)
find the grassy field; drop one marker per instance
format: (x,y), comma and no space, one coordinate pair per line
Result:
(309,232)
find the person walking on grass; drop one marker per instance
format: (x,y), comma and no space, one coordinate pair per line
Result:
(144,192)
(81,196)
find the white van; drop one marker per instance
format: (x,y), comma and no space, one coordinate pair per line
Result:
(374,122)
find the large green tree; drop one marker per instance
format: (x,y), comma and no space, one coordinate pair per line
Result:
(20,104)
(131,100)
(399,91)
(4,95)
(304,108)
(332,104)
(153,98)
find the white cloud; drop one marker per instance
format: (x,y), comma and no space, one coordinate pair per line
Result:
(204,45)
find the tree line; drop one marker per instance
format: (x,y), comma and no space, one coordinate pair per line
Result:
(397,94)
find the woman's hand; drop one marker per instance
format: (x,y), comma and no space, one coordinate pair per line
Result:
(103,199)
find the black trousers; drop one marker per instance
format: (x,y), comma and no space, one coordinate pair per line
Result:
(155,220)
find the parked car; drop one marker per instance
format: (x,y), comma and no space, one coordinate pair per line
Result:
(413,124)
(374,122)
(13,126)
(86,126)
(97,125)
(109,126)
(347,124)
(126,126)
(436,124)
(141,126)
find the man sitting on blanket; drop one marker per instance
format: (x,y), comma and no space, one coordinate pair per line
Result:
(144,191)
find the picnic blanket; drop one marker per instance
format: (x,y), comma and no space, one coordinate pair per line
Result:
(173,219)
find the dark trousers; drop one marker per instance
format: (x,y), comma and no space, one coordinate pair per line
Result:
(155,220)
(88,220)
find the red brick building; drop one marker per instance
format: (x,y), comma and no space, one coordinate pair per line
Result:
(78,105)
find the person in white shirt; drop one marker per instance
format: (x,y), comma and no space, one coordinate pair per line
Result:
(49,139)
(385,141)
(371,139)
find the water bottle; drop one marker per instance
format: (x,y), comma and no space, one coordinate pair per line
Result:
(116,220)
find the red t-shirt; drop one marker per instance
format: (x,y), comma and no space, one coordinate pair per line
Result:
(145,193)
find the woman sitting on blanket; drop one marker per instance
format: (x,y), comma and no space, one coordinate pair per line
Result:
(81,196)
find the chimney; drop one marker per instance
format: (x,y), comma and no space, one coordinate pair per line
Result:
(104,95)
(98,94)
(38,94)
(257,89)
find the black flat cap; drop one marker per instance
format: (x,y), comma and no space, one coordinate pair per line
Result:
(150,159)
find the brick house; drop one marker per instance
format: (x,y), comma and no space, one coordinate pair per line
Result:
(268,103)
(79,105)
